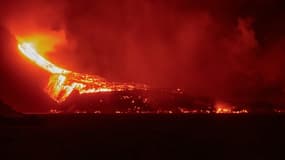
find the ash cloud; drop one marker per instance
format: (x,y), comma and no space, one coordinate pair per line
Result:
(228,50)
(216,48)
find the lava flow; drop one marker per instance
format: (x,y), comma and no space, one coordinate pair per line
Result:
(63,82)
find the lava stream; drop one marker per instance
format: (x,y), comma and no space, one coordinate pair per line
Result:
(63,82)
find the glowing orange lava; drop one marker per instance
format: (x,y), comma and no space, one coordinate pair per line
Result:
(63,82)
(226,108)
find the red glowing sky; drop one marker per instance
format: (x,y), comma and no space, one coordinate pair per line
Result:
(229,50)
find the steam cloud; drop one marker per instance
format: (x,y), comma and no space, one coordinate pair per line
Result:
(231,51)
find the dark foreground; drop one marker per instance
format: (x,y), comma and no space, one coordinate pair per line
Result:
(143,137)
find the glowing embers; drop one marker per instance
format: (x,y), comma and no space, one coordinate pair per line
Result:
(61,86)
(63,82)
(226,108)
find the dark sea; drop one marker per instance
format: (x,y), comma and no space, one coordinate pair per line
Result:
(151,136)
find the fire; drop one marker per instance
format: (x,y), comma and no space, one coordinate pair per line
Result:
(226,108)
(63,82)
(223,107)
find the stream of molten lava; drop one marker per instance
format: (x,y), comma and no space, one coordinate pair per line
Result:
(63,82)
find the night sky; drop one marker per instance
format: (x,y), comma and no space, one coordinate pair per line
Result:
(228,50)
